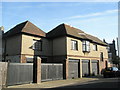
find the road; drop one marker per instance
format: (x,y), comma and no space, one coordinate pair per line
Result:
(102,83)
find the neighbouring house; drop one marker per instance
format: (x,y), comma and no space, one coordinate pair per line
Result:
(112,56)
(81,54)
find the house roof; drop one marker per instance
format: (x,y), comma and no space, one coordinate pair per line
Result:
(64,30)
(25,27)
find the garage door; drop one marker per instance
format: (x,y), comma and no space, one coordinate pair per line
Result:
(95,67)
(73,68)
(85,68)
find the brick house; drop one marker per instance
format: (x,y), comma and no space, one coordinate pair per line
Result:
(81,54)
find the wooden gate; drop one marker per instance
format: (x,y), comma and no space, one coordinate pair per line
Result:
(85,68)
(51,71)
(95,67)
(73,69)
(20,73)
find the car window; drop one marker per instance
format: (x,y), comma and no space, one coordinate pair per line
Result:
(115,69)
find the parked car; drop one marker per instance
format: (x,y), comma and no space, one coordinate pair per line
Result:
(110,72)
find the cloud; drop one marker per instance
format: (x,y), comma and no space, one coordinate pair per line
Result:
(94,14)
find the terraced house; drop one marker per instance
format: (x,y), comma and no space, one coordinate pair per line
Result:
(81,54)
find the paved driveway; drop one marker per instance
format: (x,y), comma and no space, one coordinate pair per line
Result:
(73,83)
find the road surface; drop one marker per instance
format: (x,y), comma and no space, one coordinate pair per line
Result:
(102,83)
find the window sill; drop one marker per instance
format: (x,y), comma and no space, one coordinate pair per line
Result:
(95,50)
(74,50)
(86,51)
(36,50)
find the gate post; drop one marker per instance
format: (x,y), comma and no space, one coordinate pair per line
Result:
(65,68)
(80,61)
(37,70)
(90,63)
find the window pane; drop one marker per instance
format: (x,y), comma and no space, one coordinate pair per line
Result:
(74,45)
(37,45)
(88,48)
(84,48)
(87,42)
(84,42)
(95,47)
(34,44)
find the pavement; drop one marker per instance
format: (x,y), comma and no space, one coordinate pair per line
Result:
(53,84)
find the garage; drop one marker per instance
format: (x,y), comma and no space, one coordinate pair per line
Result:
(95,67)
(73,68)
(85,68)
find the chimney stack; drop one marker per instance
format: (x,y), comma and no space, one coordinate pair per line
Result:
(2,29)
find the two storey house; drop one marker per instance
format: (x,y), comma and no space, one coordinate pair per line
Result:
(81,54)
(23,42)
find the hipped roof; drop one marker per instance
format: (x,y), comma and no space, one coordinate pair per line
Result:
(61,30)
(25,27)
(64,30)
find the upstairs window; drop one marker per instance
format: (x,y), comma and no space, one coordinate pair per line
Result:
(95,47)
(101,56)
(74,45)
(108,49)
(86,46)
(37,45)
(110,56)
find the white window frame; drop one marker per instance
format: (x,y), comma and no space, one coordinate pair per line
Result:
(85,46)
(95,48)
(74,45)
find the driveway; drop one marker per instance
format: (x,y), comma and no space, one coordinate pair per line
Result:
(72,83)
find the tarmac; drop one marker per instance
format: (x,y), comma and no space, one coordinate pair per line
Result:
(56,83)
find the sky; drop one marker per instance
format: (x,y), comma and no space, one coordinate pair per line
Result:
(96,18)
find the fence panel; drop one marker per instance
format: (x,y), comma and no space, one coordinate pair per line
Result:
(51,71)
(19,73)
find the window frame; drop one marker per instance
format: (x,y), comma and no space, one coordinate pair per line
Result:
(85,46)
(74,45)
(36,44)
(101,56)
(95,47)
